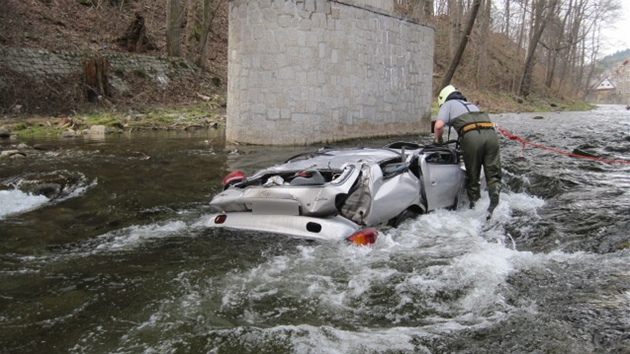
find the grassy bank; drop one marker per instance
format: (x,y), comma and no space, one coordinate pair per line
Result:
(493,103)
(182,117)
(211,114)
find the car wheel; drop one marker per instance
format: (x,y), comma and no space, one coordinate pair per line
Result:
(406,214)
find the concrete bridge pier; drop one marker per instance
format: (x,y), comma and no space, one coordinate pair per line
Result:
(309,71)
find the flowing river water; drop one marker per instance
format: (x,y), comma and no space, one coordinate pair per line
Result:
(103,249)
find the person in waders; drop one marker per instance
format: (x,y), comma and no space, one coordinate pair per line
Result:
(477,140)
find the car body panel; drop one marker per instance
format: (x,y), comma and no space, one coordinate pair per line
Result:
(340,191)
(328,229)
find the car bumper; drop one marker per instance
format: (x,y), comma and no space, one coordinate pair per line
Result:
(333,228)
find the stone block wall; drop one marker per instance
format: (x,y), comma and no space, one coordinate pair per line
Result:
(308,71)
(39,63)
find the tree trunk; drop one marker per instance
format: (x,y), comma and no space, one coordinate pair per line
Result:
(173,29)
(135,38)
(455,21)
(428,8)
(484,35)
(557,43)
(206,28)
(96,83)
(519,46)
(540,21)
(462,45)
(551,67)
(585,85)
(508,15)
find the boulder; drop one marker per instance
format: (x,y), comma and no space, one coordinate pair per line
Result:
(69,134)
(9,153)
(4,132)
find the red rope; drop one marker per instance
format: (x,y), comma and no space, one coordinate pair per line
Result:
(525,142)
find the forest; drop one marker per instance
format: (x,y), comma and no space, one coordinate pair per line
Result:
(523,48)
(510,54)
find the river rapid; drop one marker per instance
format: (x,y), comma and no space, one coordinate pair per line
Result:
(103,249)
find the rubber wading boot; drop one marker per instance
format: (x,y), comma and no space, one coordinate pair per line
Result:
(494,201)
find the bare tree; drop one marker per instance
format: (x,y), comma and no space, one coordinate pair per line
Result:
(199,29)
(173,29)
(542,11)
(484,39)
(455,10)
(573,35)
(554,40)
(209,12)
(544,42)
(462,45)
(427,7)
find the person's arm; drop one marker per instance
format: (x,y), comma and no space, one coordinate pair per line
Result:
(443,116)
(438,129)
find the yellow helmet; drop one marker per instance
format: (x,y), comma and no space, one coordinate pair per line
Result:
(445,93)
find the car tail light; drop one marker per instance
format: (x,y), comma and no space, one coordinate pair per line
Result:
(233,177)
(364,236)
(220,219)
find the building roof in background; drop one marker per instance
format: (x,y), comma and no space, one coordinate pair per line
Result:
(605,84)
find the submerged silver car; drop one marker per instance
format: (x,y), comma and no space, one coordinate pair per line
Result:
(333,194)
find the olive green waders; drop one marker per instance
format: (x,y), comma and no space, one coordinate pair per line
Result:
(480,147)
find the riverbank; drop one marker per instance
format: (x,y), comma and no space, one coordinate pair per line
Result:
(210,113)
(205,115)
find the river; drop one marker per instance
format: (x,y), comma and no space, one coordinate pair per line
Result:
(103,250)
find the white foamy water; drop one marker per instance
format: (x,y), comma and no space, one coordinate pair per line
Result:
(541,276)
(16,202)
(443,272)
(135,236)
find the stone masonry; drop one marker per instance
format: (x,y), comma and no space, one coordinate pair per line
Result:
(39,63)
(309,71)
